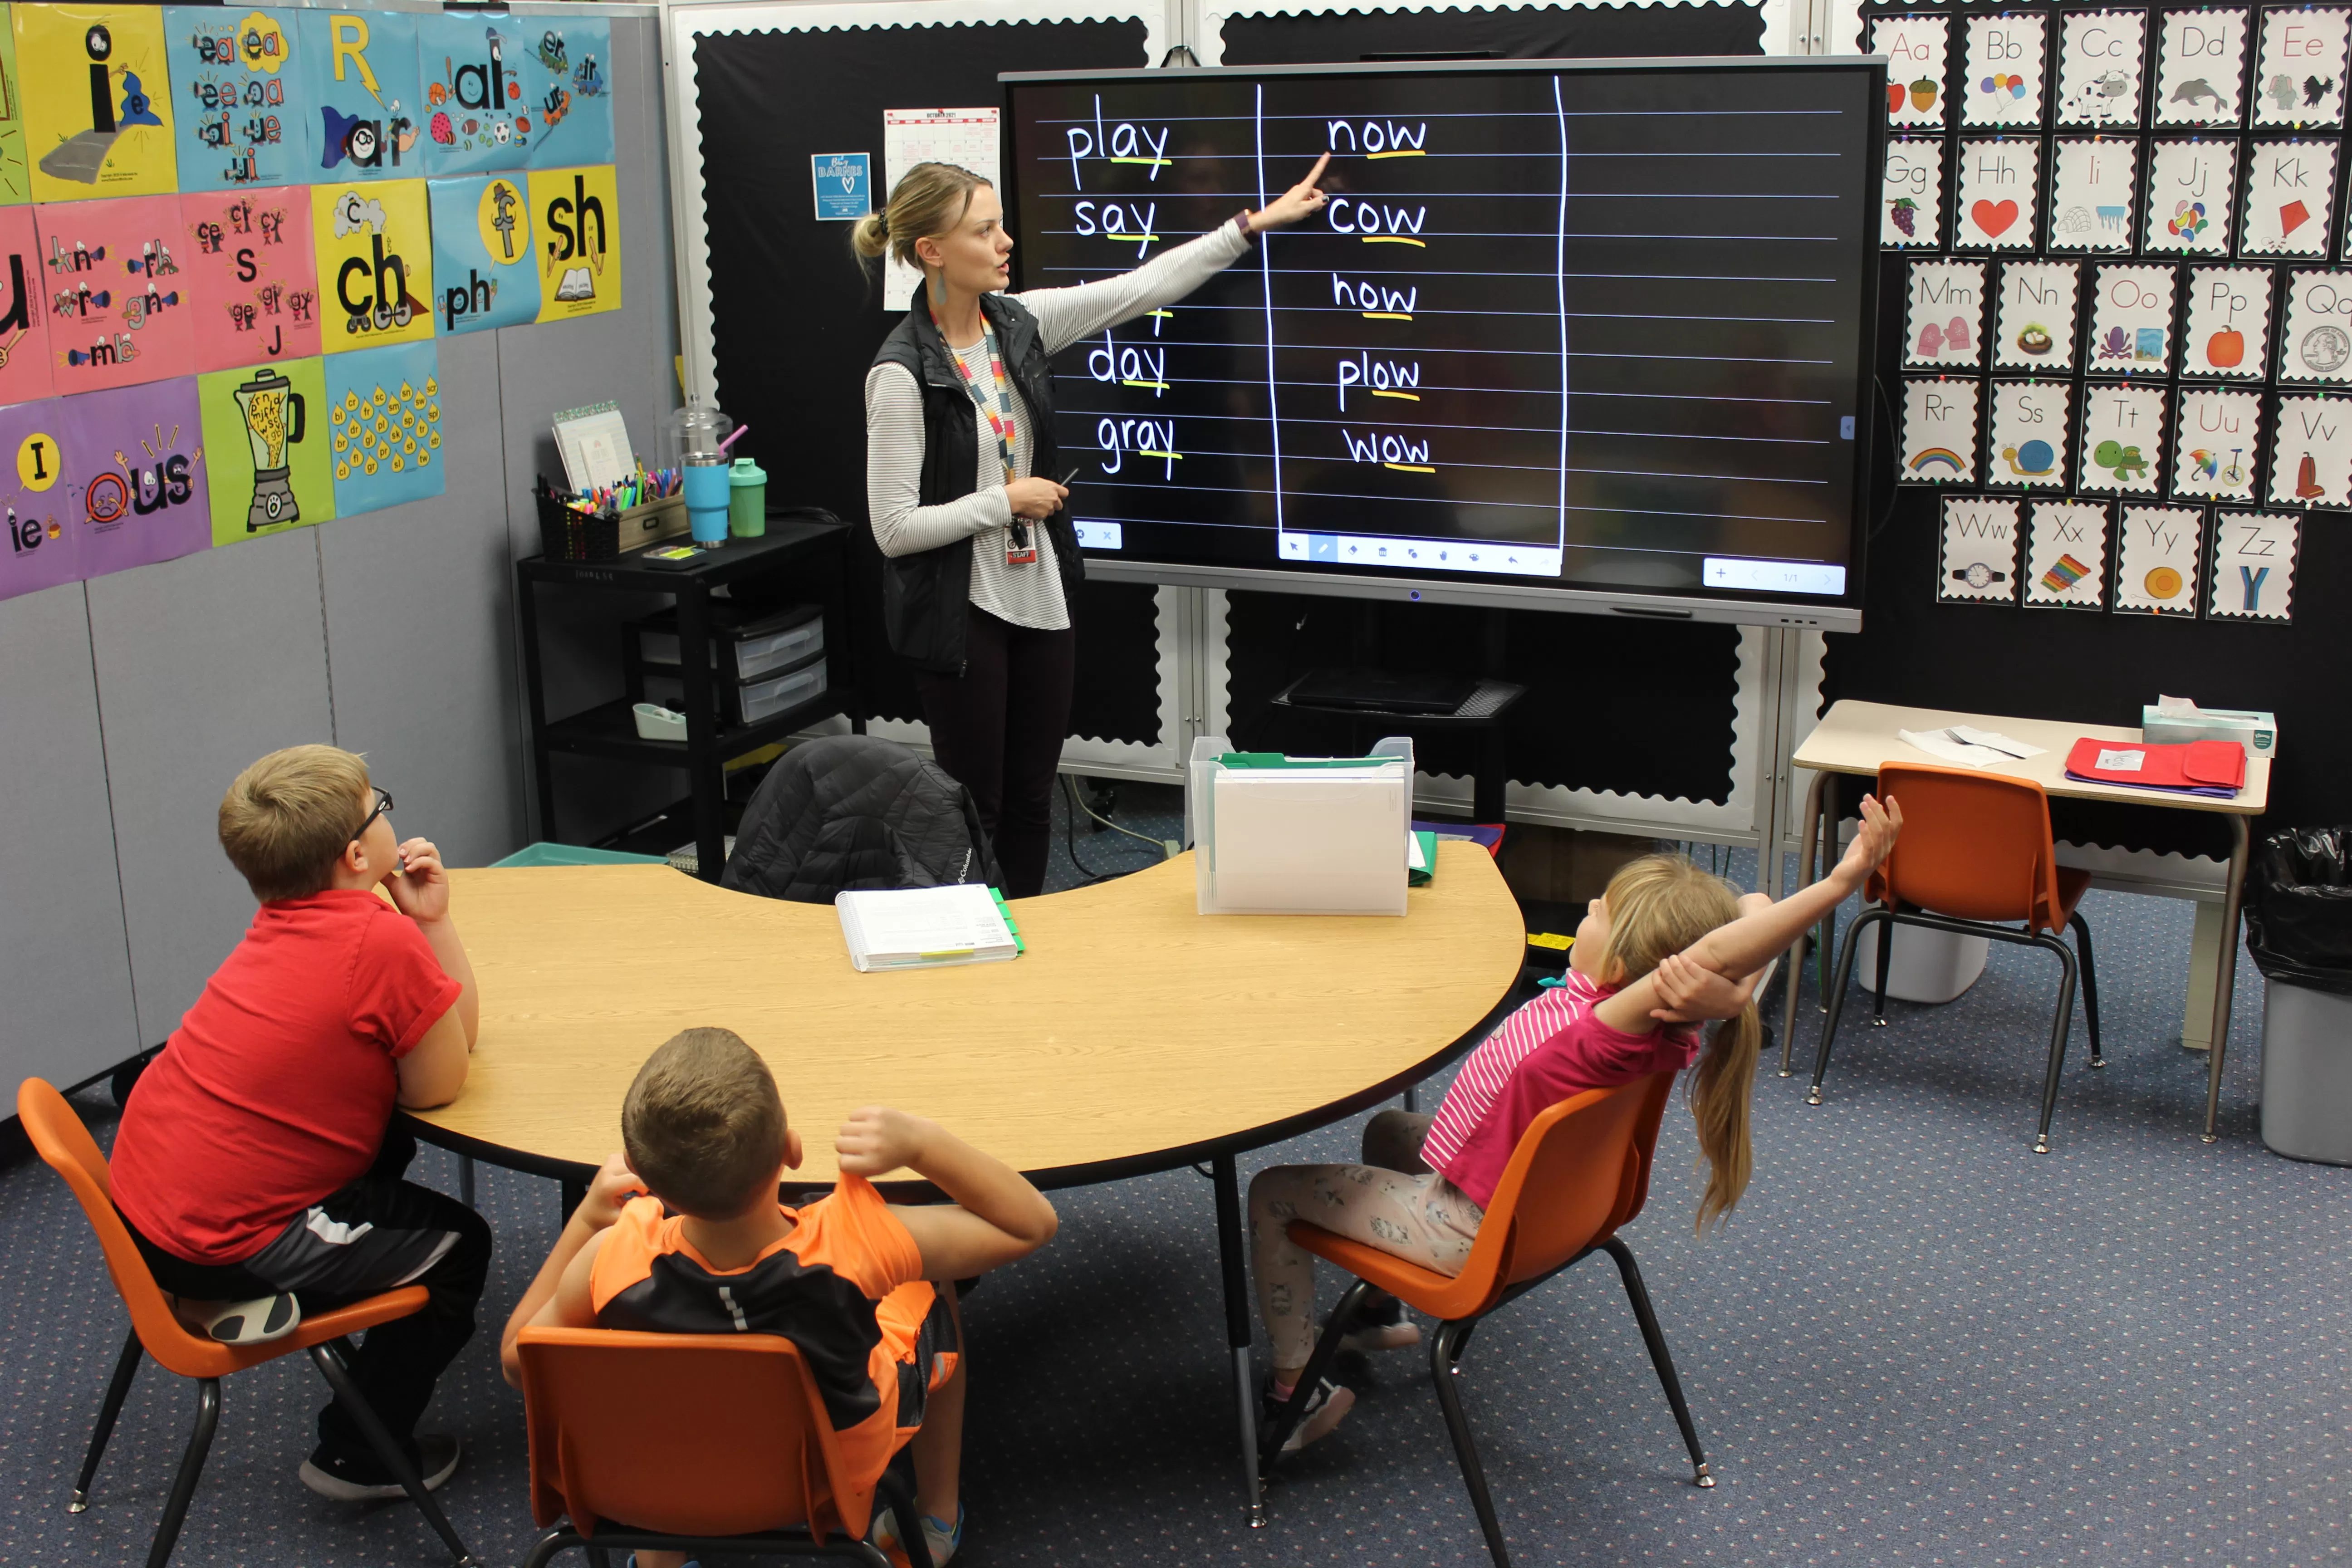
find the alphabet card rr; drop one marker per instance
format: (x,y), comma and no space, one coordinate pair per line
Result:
(2253,566)
(1939,432)
(376,262)
(1979,564)
(2316,343)
(2093,181)
(1946,315)
(2200,67)
(243,119)
(2002,79)
(2290,198)
(2036,315)
(2123,438)
(1911,195)
(2219,444)
(2099,67)
(2299,68)
(120,310)
(140,462)
(2156,573)
(1919,56)
(2191,190)
(2066,557)
(2027,446)
(1998,181)
(99,105)
(253,273)
(2228,331)
(2131,319)
(2311,453)
(574,217)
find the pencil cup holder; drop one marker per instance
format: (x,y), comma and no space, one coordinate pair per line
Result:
(567,535)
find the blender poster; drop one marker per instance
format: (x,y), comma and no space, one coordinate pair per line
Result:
(98,101)
(40,505)
(382,427)
(138,470)
(266,449)
(249,263)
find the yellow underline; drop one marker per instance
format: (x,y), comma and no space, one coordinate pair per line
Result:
(1170,314)
(1139,239)
(1166,161)
(1401,152)
(1175,457)
(1401,468)
(1391,239)
(1154,386)
(1388,315)
(1408,396)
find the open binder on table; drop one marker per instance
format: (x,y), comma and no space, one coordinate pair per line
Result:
(1299,836)
(927,928)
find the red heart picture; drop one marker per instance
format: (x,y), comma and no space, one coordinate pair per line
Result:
(1994,216)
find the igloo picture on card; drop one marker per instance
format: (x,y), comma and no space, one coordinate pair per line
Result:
(2218,444)
(2026,446)
(2316,338)
(2001,71)
(2311,452)
(2099,67)
(2227,332)
(1946,315)
(1939,432)
(2156,558)
(2192,186)
(1918,58)
(1911,195)
(2035,315)
(2122,439)
(1994,210)
(2253,566)
(2299,68)
(2290,198)
(2201,65)
(2093,186)
(2066,555)
(1978,561)
(2131,319)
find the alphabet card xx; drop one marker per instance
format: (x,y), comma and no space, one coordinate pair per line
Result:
(565,84)
(2036,315)
(2200,67)
(119,304)
(383,425)
(483,260)
(1979,564)
(475,116)
(2290,198)
(2066,557)
(1946,317)
(266,437)
(2190,189)
(243,118)
(2099,67)
(575,216)
(2123,438)
(253,273)
(2311,454)
(1911,195)
(2093,180)
(24,308)
(1939,432)
(2131,319)
(2003,72)
(140,463)
(2317,339)
(2228,331)
(2299,68)
(1917,51)
(2219,444)
(98,101)
(41,503)
(359,69)
(374,243)
(1999,178)
(2253,566)
(2027,446)
(2156,574)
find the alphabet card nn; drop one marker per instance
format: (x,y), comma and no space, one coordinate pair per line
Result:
(2311,454)
(2123,439)
(2066,557)
(2299,68)
(483,260)
(2026,449)
(2200,67)
(24,308)
(2131,319)
(2228,330)
(99,105)
(566,84)
(119,304)
(1911,195)
(2253,566)
(1947,316)
(2003,71)
(2093,181)
(475,116)
(2099,67)
(575,218)
(41,503)
(1919,55)
(1939,432)
(2156,573)
(267,441)
(2316,343)
(243,118)
(2219,443)
(2290,198)
(2036,315)
(374,244)
(383,425)
(1998,181)
(2190,188)
(253,273)
(16,173)
(1979,564)
(140,462)
(359,69)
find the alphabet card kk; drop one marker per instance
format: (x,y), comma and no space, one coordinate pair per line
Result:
(2290,198)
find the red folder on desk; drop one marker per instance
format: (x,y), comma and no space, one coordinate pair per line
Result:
(2215,768)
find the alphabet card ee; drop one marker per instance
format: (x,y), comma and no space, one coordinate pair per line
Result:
(2156,569)
(2066,555)
(2253,566)
(2093,180)
(2316,341)
(1919,55)
(2131,319)
(2036,315)
(1939,432)
(2228,330)
(2311,453)
(2123,438)
(1998,181)
(2099,67)
(2299,68)
(2191,187)
(2200,67)
(1979,564)
(2027,446)
(2217,445)
(1946,315)
(1911,195)
(2290,198)
(2003,70)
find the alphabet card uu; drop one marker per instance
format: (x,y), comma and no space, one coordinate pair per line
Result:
(2099,67)
(120,310)
(1911,194)
(2290,198)
(267,439)
(2131,319)
(359,69)
(2299,68)
(1998,181)
(2003,73)
(2036,315)
(2066,557)
(1939,432)
(2253,566)
(2200,67)
(383,423)
(1917,51)
(140,463)
(575,214)
(2093,183)
(253,274)
(2311,454)
(2228,331)
(1947,324)
(2123,438)
(565,84)
(2219,443)
(2027,446)
(374,244)
(242,119)
(2156,574)
(1979,564)
(2190,186)
(2316,340)
(98,101)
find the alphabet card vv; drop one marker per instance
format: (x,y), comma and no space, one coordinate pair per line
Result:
(2219,444)
(575,215)
(2299,68)
(2228,331)
(99,105)
(1918,53)
(374,244)
(2311,456)
(1939,432)
(1999,178)
(2003,71)
(2253,566)
(2190,189)
(2200,67)
(2290,198)
(2093,180)
(2131,319)
(1947,324)
(2066,557)
(2099,67)
(2027,446)
(2123,439)
(2036,315)
(1979,564)
(255,275)
(2316,340)
(1911,195)
(2156,574)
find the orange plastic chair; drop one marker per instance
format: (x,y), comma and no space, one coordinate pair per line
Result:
(695,1443)
(63,1142)
(1581,1171)
(1976,851)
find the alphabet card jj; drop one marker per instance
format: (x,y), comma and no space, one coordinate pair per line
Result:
(1979,564)
(2201,65)
(1946,317)
(120,310)
(1917,51)
(2093,183)
(2311,454)
(2290,198)
(243,119)
(2002,76)
(1998,181)
(2131,319)
(2027,446)
(2123,438)
(1939,432)
(253,273)
(2299,68)
(2316,343)
(2190,186)
(374,244)
(2218,442)
(2156,573)
(361,69)
(2228,331)
(1911,196)
(2099,67)
(2253,566)
(99,105)
(2036,315)
(2066,557)
(573,214)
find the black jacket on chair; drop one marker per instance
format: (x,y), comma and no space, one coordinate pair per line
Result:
(849,812)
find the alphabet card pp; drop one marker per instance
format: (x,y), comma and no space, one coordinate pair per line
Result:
(2099,67)
(2190,189)
(140,462)
(2311,454)
(575,215)
(2155,572)
(2036,315)
(120,310)
(243,119)
(1939,432)
(2200,67)
(569,95)
(1998,181)
(1947,316)
(2066,555)
(2316,341)
(2003,71)
(2093,181)
(2290,198)
(2299,68)
(383,425)
(2123,438)
(265,440)
(41,503)
(374,243)
(24,310)
(253,274)
(476,116)
(1911,194)
(1979,564)
(359,70)
(2253,566)
(2228,330)
(2131,319)
(98,101)
(2217,445)
(2027,446)
(483,260)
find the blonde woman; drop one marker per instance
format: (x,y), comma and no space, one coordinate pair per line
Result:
(981,564)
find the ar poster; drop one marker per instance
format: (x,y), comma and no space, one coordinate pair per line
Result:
(476,116)
(483,260)
(359,72)
(374,245)
(139,466)
(267,445)
(256,275)
(24,310)
(576,212)
(16,173)
(242,119)
(120,305)
(39,503)
(98,101)
(383,425)
(569,96)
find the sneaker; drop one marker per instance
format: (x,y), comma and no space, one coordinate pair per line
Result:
(1325,1406)
(346,1480)
(942,1539)
(253,1323)
(1379,1324)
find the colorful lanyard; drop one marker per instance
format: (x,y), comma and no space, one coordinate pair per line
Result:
(999,418)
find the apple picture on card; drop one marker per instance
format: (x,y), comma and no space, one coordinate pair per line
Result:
(1918,53)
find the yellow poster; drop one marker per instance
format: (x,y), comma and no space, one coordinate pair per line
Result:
(375,263)
(577,213)
(97,102)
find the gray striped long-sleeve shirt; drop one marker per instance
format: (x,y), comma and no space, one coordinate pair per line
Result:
(1024,596)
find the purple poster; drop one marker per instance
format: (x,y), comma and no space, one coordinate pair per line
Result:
(137,456)
(42,504)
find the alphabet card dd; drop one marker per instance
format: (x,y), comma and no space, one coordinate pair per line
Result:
(1946,315)
(98,101)
(2156,573)
(2217,445)
(2002,75)
(2299,68)
(2200,67)
(244,119)
(1911,195)
(2315,341)
(374,243)
(2026,449)
(2066,557)
(2099,56)
(2228,330)
(2192,186)
(2093,180)
(383,423)
(255,275)
(120,310)
(2290,198)
(1919,55)
(2253,566)
(575,218)
(2311,453)
(1979,564)
(2036,315)
(1939,432)
(2123,439)
(145,493)
(1999,177)
(2131,319)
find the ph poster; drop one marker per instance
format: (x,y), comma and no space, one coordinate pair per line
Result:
(484,264)
(98,101)
(2123,438)
(383,427)
(2036,315)
(1911,198)
(1979,564)
(575,214)
(25,372)
(2099,67)
(2200,63)
(39,503)
(16,173)
(2316,343)
(567,93)
(2228,334)
(476,116)
(242,119)
(255,274)
(2092,185)
(2066,557)
(2155,572)
(120,309)
(267,445)
(1918,53)
(2311,454)
(374,246)
(2253,566)
(2217,445)
(139,468)
(1998,182)
(358,70)
(2290,198)
(1946,317)
(1939,432)
(2027,446)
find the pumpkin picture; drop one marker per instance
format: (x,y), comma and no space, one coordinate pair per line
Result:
(2225,349)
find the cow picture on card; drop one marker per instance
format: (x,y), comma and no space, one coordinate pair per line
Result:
(2156,560)
(2192,190)
(1946,315)
(1919,56)
(2001,71)
(2311,451)
(2122,439)
(2200,68)
(2290,198)
(1994,210)
(2026,433)
(1978,561)
(2217,444)
(2066,555)
(2299,68)
(2227,330)
(2093,183)
(2099,67)
(2131,319)
(2253,566)
(2315,333)
(1939,432)
(2035,313)
(1911,195)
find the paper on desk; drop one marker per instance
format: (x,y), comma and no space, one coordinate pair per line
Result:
(1412,860)
(1992,740)
(1937,743)
(2176,705)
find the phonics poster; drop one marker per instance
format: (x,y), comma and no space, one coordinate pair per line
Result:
(359,68)
(40,504)
(2066,555)
(2155,572)
(567,85)
(1946,315)
(575,221)
(24,308)
(98,101)
(476,116)
(120,305)
(243,118)
(15,172)
(1978,560)
(375,247)
(266,443)
(139,465)
(485,266)
(250,260)
(383,427)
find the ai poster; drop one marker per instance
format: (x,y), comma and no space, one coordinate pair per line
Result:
(375,247)
(120,304)
(475,116)
(242,118)
(139,469)
(484,264)
(569,96)
(266,445)
(576,212)
(359,72)
(255,275)
(39,501)
(383,427)
(16,174)
(97,102)
(24,308)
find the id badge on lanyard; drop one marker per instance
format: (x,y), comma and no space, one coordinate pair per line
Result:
(1020,544)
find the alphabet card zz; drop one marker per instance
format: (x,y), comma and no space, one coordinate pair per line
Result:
(2123,438)
(1919,55)
(2093,180)
(2299,68)
(2156,574)
(2200,67)
(2253,566)
(2066,557)
(1911,195)
(1947,316)
(1998,181)
(2190,189)
(2311,454)
(2002,76)
(2227,332)
(2099,67)
(1979,564)
(2290,198)
(2036,315)
(1939,432)
(2027,446)
(2219,444)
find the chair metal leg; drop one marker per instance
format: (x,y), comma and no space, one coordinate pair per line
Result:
(2058,1031)
(328,1358)
(1885,964)
(1654,1337)
(597,1556)
(1837,997)
(1318,1365)
(2090,985)
(900,1498)
(465,1179)
(551,1545)
(192,1465)
(126,1367)
(1443,1353)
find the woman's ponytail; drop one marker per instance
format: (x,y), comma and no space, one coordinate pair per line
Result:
(1719,1092)
(870,235)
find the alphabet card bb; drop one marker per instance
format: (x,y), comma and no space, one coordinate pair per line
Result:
(375,263)
(2253,566)
(2036,315)
(2299,68)
(2099,67)
(2131,319)
(2001,82)
(1919,55)
(255,274)
(2311,452)
(2123,438)
(1946,315)
(2290,198)
(1998,181)
(1911,195)
(2192,186)
(2093,184)
(2156,574)
(1979,564)
(2066,555)
(2026,449)
(1939,432)
(2227,330)
(2218,444)
(2200,67)
(2315,341)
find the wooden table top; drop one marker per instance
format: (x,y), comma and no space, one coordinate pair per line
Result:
(1133,1036)
(1860,737)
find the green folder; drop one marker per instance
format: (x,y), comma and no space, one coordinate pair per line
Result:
(1420,878)
(1276,760)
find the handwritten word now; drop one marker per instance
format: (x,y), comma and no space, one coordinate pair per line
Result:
(1377,302)
(1389,452)
(1383,377)
(1125,143)
(1377,138)
(1378,225)
(1144,437)
(1146,368)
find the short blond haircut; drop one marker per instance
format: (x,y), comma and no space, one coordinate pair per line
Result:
(703,1124)
(289,817)
(927,201)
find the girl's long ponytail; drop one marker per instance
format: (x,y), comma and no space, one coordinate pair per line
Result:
(1720,1088)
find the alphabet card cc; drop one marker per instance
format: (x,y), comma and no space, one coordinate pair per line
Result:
(1917,51)
(2201,65)
(2253,566)
(1939,432)
(2311,454)
(1911,197)
(1998,181)
(2316,343)
(99,105)
(2290,198)
(2002,79)
(2156,572)
(2299,68)
(2123,438)
(2036,315)
(2228,330)
(2219,444)
(2066,557)
(2093,184)
(2099,67)
(1979,564)
(2190,187)
(2131,319)
(2027,446)
(1947,316)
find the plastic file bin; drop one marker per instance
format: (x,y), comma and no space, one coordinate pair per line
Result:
(1299,840)
(749,702)
(769,644)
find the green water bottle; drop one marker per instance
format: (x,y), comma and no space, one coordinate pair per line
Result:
(747,500)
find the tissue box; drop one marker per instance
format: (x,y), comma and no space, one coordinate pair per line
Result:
(2258,733)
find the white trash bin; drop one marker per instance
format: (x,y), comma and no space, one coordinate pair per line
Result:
(2307,1072)
(1927,966)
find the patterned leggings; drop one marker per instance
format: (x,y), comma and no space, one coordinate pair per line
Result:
(1391,1202)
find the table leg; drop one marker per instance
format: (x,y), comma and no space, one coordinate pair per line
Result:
(1237,1328)
(1795,966)
(2225,968)
(465,1179)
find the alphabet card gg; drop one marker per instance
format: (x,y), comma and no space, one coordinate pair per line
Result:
(2027,446)
(2123,437)
(2002,77)
(2299,68)
(2253,566)
(2316,340)
(2190,187)
(2227,332)
(1998,181)
(2098,67)
(2290,198)
(1939,432)
(2036,315)
(1947,324)
(1918,53)
(1911,195)
(2311,459)
(2131,319)
(2157,574)
(1979,564)
(2066,557)
(2219,443)
(2201,65)
(2093,184)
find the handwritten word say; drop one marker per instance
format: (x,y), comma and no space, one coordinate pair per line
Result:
(1145,368)
(1377,138)
(1377,224)
(1125,143)
(1376,302)
(1115,219)
(1144,437)
(1380,377)
(1388,451)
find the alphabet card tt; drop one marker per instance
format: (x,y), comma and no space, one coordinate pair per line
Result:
(2099,67)
(2315,341)
(2219,444)
(2003,73)
(2253,566)
(2123,438)
(2131,319)
(1939,432)
(2027,446)
(2290,198)
(2227,332)
(2299,68)
(253,273)
(1918,54)
(2066,557)
(2093,184)
(2200,67)
(1911,195)
(1947,316)
(2036,315)
(2311,454)
(1998,181)
(2190,186)
(1979,564)
(2156,572)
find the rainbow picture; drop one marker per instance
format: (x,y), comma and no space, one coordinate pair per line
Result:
(2063,574)
(1936,455)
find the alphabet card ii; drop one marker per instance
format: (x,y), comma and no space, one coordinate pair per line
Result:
(2253,566)
(2157,572)
(2093,183)
(1979,564)
(2066,557)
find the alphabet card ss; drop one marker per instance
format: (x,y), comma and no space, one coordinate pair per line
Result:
(2219,443)
(1979,564)
(2316,341)
(1998,181)
(2200,67)
(2190,189)
(2311,453)
(2066,555)
(2290,198)
(1911,194)
(2228,330)
(1947,316)
(2156,573)
(2035,315)
(2002,76)
(2099,67)
(2299,68)
(2027,446)
(1939,432)
(1919,55)
(2131,319)
(2094,182)
(2253,566)
(2123,438)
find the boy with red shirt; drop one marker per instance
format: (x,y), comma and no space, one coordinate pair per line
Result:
(254,1159)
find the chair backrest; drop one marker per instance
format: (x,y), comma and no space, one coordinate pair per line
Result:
(1974,844)
(692,1434)
(853,811)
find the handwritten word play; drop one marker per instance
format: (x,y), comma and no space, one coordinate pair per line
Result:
(1125,143)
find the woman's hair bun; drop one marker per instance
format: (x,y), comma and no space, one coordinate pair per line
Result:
(870,235)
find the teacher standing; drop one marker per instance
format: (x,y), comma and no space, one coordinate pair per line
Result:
(982,564)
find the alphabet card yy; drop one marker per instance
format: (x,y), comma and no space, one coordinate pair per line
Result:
(383,425)
(2191,186)
(2228,330)
(2311,453)
(2093,183)
(2218,444)
(2035,315)
(1911,196)
(2201,61)
(575,215)
(2316,340)
(1998,181)
(24,308)
(2131,319)
(2003,70)
(483,260)
(376,262)
(2253,566)
(1979,563)
(2299,66)
(2066,557)
(2027,446)
(1939,432)
(570,98)
(2099,67)
(255,275)
(242,119)
(98,101)
(1917,51)
(40,504)
(120,310)
(475,116)
(1947,316)
(359,69)
(2123,437)
(266,439)
(2290,198)
(140,463)
(2155,572)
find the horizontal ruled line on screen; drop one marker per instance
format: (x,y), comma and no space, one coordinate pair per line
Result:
(1500,429)
(1259,347)
(1465,272)
(1095,455)
(1549,508)
(1074,378)
(1491,114)
(1488,234)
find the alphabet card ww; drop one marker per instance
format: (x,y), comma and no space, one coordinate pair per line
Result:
(2299,68)
(2092,187)
(1911,195)
(2123,438)
(1918,53)
(2002,77)
(2027,446)
(2190,189)
(1998,181)
(2036,315)
(2311,454)
(2290,198)
(2156,573)
(1979,564)
(1947,316)
(2316,343)
(2219,444)
(2228,330)
(2131,319)
(1939,432)
(2099,67)
(2066,557)
(2253,566)
(2200,67)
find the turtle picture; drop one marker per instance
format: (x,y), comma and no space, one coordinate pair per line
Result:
(2125,462)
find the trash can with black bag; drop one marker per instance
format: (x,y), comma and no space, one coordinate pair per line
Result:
(2299,930)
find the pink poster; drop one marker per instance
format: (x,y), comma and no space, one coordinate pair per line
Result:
(24,311)
(119,303)
(40,505)
(141,492)
(254,275)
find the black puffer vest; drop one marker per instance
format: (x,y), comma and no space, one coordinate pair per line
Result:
(924,594)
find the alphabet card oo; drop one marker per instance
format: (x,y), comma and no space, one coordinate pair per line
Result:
(476,116)
(2131,319)
(2311,453)
(384,425)
(569,94)
(119,303)
(1939,432)
(243,119)
(2035,315)
(2299,68)
(24,308)
(2190,189)
(267,441)
(2066,557)
(374,243)
(2253,566)
(255,275)
(1979,564)
(1998,181)
(2027,446)
(2123,439)
(2200,64)
(360,68)
(575,215)
(140,463)
(2156,574)
(99,105)
(41,503)
(2290,198)
(2003,73)
(2093,181)
(2099,67)
(1947,316)
(483,260)
(2219,443)
(2228,331)
(1918,53)
(2316,343)
(1911,195)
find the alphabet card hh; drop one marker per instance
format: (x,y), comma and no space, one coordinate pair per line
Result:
(2217,445)
(2036,315)
(25,370)
(2027,446)
(2002,79)
(566,83)
(1939,432)
(1918,53)
(40,499)
(360,68)
(244,119)
(376,262)
(2228,330)
(267,441)
(2156,573)
(99,105)
(255,275)
(1998,180)
(2099,67)
(2311,454)
(2190,188)
(2066,557)
(1911,196)
(574,214)
(2317,339)
(2093,183)
(2290,198)
(484,262)
(2131,319)
(1946,325)
(2299,68)
(2123,437)
(145,493)
(120,310)
(2253,566)
(383,423)
(1979,564)
(2201,65)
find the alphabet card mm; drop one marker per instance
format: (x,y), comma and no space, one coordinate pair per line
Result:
(2200,68)
(253,273)
(2002,75)
(24,310)
(2191,188)
(374,243)
(99,105)
(1979,563)
(1999,179)
(2099,55)
(2253,566)
(2290,198)
(242,119)
(2311,452)
(2131,319)
(383,425)
(120,310)
(2122,439)
(41,503)
(141,465)
(1918,58)
(2299,68)
(2155,572)
(570,94)
(2219,443)
(2227,330)
(1911,195)
(2036,315)
(1946,315)
(2066,555)
(484,263)
(267,439)
(359,69)
(2026,449)
(2093,186)
(575,214)
(1939,432)
(2315,341)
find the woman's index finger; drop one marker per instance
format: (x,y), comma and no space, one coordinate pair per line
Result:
(1315,173)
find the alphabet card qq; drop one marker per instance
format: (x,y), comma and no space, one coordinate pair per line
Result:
(2131,319)
(2099,67)
(2316,343)
(255,275)
(2155,572)
(2002,79)
(2027,446)
(1947,324)
(2066,557)
(2093,181)
(1998,181)
(2218,442)
(1979,564)
(2190,188)
(2123,439)
(2290,198)
(2035,315)
(2228,330)
(1919,55)
(1939,432)
(2200,67)
(2253,566)
(2311,452)
(2299,68)
(1911,195)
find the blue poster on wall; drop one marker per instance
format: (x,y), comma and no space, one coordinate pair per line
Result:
(566,81)
(244,119)
(483,270)
(477,116)
(383,423)
(359,71)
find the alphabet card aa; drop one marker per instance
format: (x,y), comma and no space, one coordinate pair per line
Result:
(574,214)
(2316,343)
(360,68)
(98,101)
(24,308)
(2200,64)
(383,423)
(40,504)
(374,244)
(140,462)
(2131,319)
(2099,67)
(119,304)
(476,116)
(1947,324)
(483,260)
(16,173)
(1939,432)
(2218,442)
(2123,437)
(2156,573)
(1998,181)
(2036,315)
(2290,198)
(1917,51)
(1911,195)
(2253,566)
(253,273)
(1979,564)
(2299,68)
(2066,557)
(2228,330)
(2093,183)
(2191,186)
(2003,71)
(265,441)
(569,96)
(2027,446)
(242,119)
(2311,453)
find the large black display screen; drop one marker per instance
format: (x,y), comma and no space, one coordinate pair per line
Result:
(1563,325)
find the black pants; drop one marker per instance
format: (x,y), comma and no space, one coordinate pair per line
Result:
(377,1233)
(998,730)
